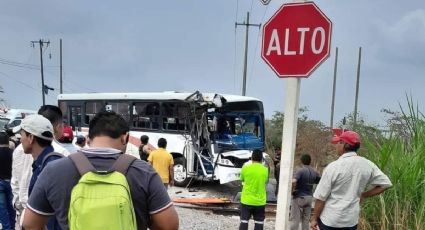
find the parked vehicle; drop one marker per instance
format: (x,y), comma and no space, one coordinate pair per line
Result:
(10,118)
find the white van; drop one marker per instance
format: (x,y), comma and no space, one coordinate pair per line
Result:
(10,118)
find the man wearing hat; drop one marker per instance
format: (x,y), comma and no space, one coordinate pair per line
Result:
(22,163)
(36,138)
(342,186)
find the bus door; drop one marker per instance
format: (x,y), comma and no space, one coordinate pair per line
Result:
(75,117)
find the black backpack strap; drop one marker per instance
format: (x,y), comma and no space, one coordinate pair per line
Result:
(123,163)
(50,155)
(81,162)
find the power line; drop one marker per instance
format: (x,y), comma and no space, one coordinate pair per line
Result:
(22,65)
(15,79)
(18,64)
(21,82)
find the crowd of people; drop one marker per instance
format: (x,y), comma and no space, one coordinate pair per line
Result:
(47,181)
(43,179)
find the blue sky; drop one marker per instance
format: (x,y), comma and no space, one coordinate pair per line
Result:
(111,46)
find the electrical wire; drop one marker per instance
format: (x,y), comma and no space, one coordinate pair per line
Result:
(22,65)
(22,83)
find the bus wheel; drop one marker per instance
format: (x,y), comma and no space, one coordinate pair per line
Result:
(180,172)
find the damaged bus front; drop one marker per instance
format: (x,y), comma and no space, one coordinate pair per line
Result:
(225,130)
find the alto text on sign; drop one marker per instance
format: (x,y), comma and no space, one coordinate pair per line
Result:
(296,39)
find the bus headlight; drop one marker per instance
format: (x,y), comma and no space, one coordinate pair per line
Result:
(226,162)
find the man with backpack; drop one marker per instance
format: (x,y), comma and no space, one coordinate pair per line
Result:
(101,188)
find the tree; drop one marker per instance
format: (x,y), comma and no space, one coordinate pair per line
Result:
(312,137)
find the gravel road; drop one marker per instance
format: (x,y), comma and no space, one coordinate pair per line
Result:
(206,219)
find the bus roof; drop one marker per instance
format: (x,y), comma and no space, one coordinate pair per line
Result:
(149,96)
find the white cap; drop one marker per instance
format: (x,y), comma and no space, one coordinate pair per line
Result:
(37,125)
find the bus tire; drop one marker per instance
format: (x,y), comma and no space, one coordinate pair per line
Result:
(180,172)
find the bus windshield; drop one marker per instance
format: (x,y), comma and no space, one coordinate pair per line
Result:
(237,126)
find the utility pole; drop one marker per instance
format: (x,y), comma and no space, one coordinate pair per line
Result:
(60,54)
(247,25)
(41,43)
(357,88)
(334,89)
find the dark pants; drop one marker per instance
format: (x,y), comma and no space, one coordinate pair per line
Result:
(258,212)
(324,227)
(7,212)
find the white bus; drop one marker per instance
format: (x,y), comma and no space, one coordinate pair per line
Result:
(209,135)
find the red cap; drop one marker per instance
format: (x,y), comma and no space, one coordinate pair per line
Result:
(348,137)
(67,135)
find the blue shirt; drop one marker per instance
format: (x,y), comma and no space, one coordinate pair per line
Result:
(37,167)
(306,176)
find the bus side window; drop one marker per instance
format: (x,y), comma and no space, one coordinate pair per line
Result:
(92,107)
(174,116)
(145,115)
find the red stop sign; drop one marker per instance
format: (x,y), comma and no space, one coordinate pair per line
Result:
(296,39)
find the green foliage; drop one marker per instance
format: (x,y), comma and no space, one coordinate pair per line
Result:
(312,137)
(402,158)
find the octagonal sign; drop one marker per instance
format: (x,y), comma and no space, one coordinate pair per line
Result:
(296,39)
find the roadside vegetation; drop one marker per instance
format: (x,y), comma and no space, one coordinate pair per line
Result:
(400,153)
(398,149)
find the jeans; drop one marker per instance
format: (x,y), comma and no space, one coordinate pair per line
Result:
(300,212)
(7,212)
(259,215)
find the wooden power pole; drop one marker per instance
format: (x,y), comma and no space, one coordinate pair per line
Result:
(247,25)
(41,43)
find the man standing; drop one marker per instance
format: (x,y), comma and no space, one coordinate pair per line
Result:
(36,139)
(254,177)
(302,198)
(145,148)
(108,134)
(7,212)
(21,166)
(162,161)
(342,186)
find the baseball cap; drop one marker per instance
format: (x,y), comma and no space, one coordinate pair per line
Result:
(37,125)
(348,137)
(67,134)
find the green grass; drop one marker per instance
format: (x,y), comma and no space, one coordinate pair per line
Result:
(402,158)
